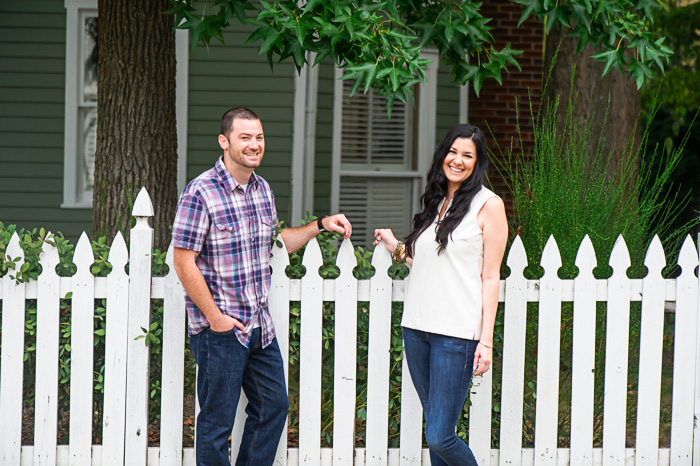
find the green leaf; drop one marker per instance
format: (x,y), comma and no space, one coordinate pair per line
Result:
(529,9)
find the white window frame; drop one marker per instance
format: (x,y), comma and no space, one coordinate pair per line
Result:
(425,141)
(76,196)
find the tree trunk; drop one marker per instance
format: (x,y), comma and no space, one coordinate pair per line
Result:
(613,93)
(136,132)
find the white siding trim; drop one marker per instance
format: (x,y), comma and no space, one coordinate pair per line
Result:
(337,139)
(310,137)
(298,136)
(464,103)
(70,139)
(427,110)
(182,81)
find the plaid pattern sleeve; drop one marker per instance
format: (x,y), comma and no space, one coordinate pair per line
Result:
(191,223)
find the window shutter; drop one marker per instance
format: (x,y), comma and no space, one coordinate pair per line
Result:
(374,143)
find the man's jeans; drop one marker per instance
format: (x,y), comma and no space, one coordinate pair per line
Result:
(226,366)
(441,368)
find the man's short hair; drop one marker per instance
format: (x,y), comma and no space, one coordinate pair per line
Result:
(231,115)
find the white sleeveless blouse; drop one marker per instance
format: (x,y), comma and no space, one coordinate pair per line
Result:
(443,293)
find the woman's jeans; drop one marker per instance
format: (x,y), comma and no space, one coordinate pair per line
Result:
(226,366)
(441,368)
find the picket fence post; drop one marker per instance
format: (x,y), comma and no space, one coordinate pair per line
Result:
(583,357)
(117,316)
(685,358)
(616,354)
(548,349)
(310,343)
(650,352)
(12,368)
(378,364)
(512,384)
(47,339)
(411,429)
(345,377)
(279,311)
(81,361)
(172,383)
(137,371)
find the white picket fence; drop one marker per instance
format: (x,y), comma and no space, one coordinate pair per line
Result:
(125,425)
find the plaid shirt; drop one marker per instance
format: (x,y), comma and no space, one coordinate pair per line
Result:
(231,230)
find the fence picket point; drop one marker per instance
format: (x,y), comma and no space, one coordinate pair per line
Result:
(616,349)
(583,357)
(345,376)
(310,358)
(137,370)
(650,352)
(279,311)
(173,366)
(81,363)
(512,385)
(379,343)
(114,414)
(47,340)
(548,357)
(12,367)
(683,413)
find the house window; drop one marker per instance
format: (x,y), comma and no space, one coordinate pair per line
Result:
(379,180)
(80,103)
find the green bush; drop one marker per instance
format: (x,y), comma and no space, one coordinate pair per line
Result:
(569,188)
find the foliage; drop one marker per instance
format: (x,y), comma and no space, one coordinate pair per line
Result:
(569,187)
(378,42)
(680,87)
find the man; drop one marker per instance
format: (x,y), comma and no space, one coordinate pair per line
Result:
(222,236)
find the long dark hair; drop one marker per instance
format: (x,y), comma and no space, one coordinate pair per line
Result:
(436,188)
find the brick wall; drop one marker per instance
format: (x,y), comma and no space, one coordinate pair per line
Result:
(496,105)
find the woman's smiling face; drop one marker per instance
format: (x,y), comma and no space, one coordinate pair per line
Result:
(459,162)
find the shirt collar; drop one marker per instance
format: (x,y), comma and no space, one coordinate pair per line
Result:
(228,180)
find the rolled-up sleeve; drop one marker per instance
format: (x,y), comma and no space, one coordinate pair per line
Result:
(191,224)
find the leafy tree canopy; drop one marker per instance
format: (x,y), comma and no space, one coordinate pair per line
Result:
(378,42)
(680,87)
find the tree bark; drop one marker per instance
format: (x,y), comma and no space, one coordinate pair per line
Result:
(136,132)
(595,95)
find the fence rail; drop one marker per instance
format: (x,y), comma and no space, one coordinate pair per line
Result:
(126,380)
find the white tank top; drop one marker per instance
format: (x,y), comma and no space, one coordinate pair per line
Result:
(443,293)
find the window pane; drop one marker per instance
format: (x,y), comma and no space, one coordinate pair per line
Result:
(90,60)
(88,140)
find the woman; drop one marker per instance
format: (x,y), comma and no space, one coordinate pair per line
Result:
(455,251)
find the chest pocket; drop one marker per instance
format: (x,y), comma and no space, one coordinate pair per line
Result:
(222,236)
(265,232)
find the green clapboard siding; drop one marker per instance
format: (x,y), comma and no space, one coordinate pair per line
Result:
(234,75)
(32,90)
(447,103)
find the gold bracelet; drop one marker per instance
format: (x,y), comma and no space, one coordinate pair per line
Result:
(399,251)
(484,345)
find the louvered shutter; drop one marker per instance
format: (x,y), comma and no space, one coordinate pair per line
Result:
(372,147)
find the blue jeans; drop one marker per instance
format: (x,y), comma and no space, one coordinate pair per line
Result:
(226,366)
(441,368)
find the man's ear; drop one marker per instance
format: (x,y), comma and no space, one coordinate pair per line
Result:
(223,142)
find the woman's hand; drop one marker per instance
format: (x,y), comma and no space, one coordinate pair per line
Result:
(385,234)
(482,359)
